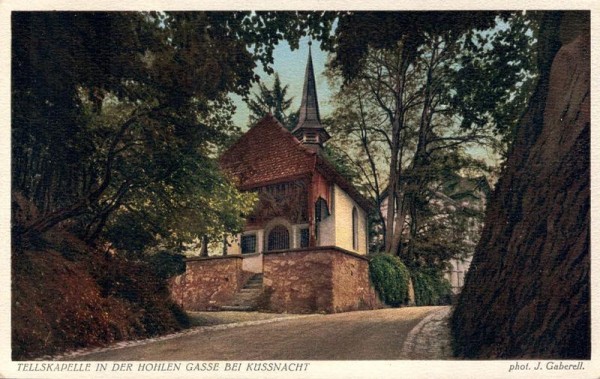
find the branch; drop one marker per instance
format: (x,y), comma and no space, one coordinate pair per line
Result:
(458,141)
(79,207)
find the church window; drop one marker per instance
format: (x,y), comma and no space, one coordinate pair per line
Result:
(321,210)
(279,238)
(354,229)
(248,244)
(304,237)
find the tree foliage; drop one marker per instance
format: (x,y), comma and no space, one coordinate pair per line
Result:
(124,113)
(272,100)
(390,278)
(430,288)
(407,112)
(358,33)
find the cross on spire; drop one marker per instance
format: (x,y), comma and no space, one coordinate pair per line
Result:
(309,129)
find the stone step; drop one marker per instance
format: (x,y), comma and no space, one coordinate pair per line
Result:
(250,290)
(249,293)
(246,298)
(245,305)
(243,300)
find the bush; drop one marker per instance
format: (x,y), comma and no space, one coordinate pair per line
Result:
(136,284)
(431,288)
(89,299)
(390,278)
(166,265)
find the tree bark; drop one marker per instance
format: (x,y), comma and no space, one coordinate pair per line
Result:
(527,293)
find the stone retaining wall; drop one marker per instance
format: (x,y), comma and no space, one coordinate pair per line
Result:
(323,279)
(319,279)
(353,289)
(208,283)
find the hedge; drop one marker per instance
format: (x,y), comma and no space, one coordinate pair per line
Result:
(390,278)
(431,288)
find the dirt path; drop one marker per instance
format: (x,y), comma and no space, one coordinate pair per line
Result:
(362,335)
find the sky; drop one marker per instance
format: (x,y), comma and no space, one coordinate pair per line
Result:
(291,66)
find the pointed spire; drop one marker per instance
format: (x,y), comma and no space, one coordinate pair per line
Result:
(309,129)
(309,108)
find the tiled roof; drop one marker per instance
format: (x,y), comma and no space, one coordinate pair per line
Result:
(267,153)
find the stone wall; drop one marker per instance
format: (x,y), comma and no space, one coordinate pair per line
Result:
(322,279)
(208,283)
(352,290)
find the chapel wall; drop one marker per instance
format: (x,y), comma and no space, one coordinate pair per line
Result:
(343,222)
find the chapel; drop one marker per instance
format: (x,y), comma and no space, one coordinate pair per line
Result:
(303,201)
(304,248)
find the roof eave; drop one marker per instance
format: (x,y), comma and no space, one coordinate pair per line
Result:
(328,170)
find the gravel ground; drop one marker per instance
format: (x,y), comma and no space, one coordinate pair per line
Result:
(379,335)
(430,339)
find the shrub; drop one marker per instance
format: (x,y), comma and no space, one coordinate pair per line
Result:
(165,264)
(431,288)
(90,299)
(136,284)
(390,278)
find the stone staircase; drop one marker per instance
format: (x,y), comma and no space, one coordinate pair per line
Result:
(246,299)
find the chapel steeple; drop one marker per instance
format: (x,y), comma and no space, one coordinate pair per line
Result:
(309,129)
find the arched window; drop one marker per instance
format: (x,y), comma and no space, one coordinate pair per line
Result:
(321,210)
(354,229)
(279,238)
(321,213)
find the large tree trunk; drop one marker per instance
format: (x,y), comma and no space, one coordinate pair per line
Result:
(527,293)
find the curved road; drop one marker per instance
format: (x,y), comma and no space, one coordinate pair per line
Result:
(373,335)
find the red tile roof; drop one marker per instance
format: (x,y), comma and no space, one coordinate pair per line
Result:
(267,153)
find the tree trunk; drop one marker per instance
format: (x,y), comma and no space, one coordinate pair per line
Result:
(392,190)
(204,247)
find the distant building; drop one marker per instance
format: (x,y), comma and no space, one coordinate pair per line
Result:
(469,196)
(464,196)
